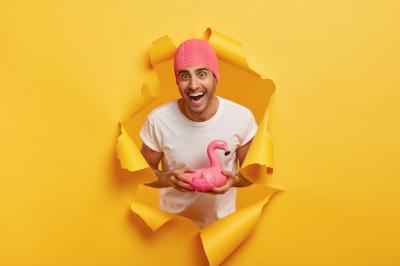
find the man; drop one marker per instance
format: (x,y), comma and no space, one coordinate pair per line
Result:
(179,132)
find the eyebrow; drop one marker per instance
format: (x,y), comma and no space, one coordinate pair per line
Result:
(196,70)
(201,69)
(183,71)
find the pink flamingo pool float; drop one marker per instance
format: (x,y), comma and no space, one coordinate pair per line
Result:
(204,179)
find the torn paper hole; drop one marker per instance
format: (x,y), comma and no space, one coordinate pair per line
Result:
(238,83)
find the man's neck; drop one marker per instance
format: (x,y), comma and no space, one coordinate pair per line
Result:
(202,116)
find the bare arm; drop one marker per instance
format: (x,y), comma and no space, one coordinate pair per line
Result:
(153,158)
(241,152)
(165,178)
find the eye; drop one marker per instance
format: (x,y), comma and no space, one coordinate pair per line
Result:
(184,76)
(202,74)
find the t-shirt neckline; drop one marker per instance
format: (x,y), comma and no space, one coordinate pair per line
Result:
(212,119)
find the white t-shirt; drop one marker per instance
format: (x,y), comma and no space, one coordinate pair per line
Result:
(184,144)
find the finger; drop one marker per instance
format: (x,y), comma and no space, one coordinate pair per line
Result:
(181,184)
(184,185)
(183,178)
(223,188)
(182,189)
(172,179)
(226,173)
(216,191)
(188,170)
(212,191)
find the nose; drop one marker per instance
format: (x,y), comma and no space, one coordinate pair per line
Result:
(193,83)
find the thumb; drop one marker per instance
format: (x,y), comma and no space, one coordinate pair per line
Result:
(188,170)
(226,173)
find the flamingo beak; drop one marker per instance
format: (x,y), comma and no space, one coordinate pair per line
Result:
(227,153)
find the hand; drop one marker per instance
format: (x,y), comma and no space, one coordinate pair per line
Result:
(177,179)
(231,182)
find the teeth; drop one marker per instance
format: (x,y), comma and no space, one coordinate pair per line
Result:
(196,94)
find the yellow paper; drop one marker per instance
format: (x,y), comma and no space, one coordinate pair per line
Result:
(222,237)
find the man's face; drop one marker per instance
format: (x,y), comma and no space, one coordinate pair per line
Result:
(197,87)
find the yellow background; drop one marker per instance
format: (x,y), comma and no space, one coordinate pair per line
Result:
(70,71)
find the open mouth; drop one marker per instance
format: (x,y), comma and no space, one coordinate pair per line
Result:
(197,96)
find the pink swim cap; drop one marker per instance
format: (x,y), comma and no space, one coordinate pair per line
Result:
(195,52)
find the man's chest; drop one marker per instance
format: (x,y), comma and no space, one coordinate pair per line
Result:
(188,148)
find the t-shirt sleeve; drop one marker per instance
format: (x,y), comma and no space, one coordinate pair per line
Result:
(250,129)
(149,136)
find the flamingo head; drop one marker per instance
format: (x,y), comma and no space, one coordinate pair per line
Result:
(220,145)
